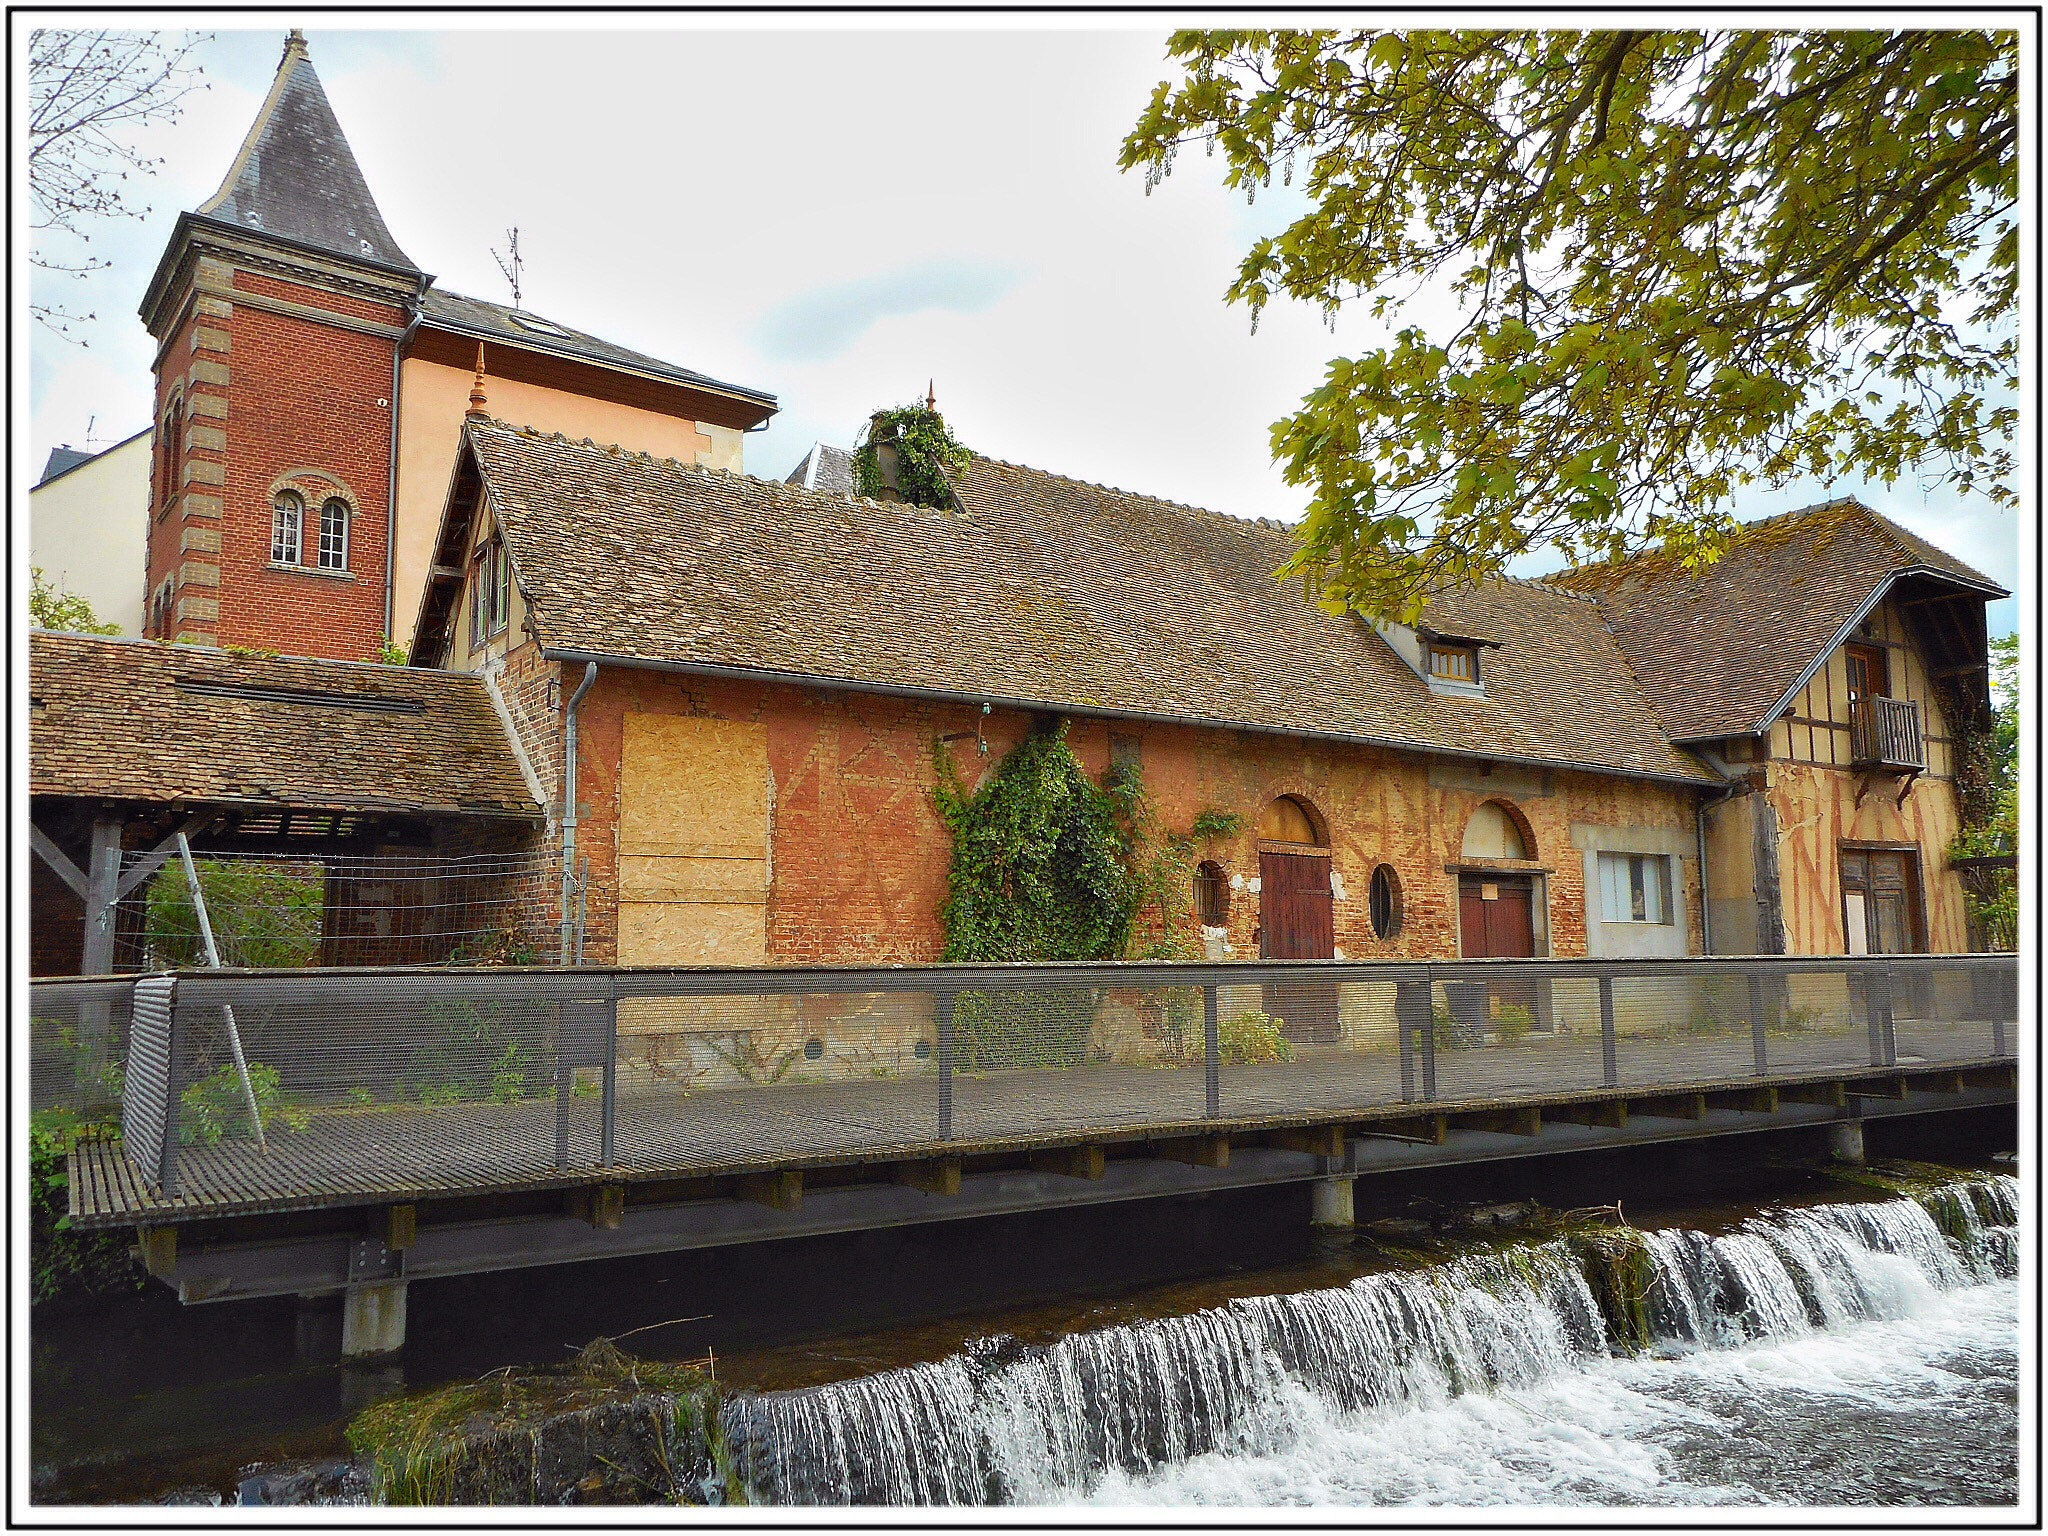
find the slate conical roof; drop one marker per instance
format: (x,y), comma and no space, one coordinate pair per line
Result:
(296,177)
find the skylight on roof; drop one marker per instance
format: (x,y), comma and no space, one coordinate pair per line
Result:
(528,322)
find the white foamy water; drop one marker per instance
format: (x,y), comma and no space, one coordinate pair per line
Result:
(1843,1354)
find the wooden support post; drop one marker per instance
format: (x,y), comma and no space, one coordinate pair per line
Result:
(607,1206)
(1673,1106)
(1879,1088)
(1757,1101)
(1835,1095)
(783,1189)
(933,1175)
(401,1226)
(1525,1122)
(1201,1151)
(1087,1162)
(1608,1112)
(159,1249)
(1321,1140)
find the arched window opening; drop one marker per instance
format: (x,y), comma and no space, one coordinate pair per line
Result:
(1384,901)
(1494,833)
(287,528)
(170,440)
(334,534)
(1291,820)
(1212,894)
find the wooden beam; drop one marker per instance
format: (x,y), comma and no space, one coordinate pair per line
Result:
(159,1247)
(783,1190)
(1609,1112)
(1674,1106)
(1201,1151)
(1321,1140)
(161,854)
(1835,1095)
(400,1226)
(933,1175)
(1086,1162)
(608,1206)
(52,855)
(1756,1101)
(1879,1088)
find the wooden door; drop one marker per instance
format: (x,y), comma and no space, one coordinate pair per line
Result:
(1298,921)
(1880,902)
(1869,674)
(1496,918)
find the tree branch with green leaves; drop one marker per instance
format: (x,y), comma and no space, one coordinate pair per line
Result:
(1682,263)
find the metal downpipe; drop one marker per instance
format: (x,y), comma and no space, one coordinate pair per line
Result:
(569,810)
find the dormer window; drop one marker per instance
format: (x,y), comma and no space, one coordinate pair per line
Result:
(1455,663)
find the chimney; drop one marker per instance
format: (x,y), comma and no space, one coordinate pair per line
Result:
(883,438)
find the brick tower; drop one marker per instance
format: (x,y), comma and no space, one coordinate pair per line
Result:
(278,309)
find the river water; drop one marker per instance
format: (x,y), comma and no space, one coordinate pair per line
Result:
(1836,1354)
(1833,1348)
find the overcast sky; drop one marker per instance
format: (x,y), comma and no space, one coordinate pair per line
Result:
(834,217)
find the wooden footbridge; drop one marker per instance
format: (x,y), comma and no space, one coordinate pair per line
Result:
(420,1124)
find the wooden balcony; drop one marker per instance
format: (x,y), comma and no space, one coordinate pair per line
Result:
(1885,733)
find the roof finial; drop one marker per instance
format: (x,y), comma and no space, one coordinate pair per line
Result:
(477,411)
(294,43)
(931,395)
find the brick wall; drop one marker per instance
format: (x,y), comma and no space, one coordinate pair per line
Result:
(269,397)
(860,857)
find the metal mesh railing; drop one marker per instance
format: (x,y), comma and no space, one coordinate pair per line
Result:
(324,909)
(383,1082)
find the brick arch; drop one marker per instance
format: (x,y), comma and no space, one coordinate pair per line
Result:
(316,485)
(1515,819)
(1319,824)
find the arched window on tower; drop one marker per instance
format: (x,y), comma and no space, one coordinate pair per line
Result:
(333,534)
(287,528)
(169,447)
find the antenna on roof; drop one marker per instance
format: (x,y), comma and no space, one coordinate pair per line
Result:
(512,264)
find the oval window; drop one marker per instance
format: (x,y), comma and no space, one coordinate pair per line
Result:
(1384,900)
(813,1049)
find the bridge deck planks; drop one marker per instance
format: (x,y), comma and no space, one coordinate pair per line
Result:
(346,1155)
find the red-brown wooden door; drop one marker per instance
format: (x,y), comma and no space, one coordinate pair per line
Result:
(1496,918)
(1298,921)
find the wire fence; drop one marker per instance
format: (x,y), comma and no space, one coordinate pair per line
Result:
(370,1084)
(395,907)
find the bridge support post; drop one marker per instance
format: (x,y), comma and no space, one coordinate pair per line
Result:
(373,1319)
(1845,1142)
(1331,1203)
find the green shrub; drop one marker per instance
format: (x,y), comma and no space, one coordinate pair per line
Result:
(1513,1022)
(262,914)
(471,1052)
(215,1107)
(65,1264)
(1252,1038)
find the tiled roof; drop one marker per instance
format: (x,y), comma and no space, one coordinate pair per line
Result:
(297,178)
(1040,590)
(824,468)
(129,719)
(499,322)
(1716,651)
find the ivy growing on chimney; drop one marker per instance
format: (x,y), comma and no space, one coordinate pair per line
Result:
(923,450)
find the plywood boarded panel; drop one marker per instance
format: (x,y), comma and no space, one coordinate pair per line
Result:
(693,842)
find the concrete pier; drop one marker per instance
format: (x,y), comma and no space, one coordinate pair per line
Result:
(1331,1202)
(373,1319)
(1845,1141)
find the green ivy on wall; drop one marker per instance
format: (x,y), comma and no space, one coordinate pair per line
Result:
(925,451)
(1040,859)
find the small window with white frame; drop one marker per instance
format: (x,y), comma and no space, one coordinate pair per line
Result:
(1635,888)
(333,552)
(490,602)
(287,528)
